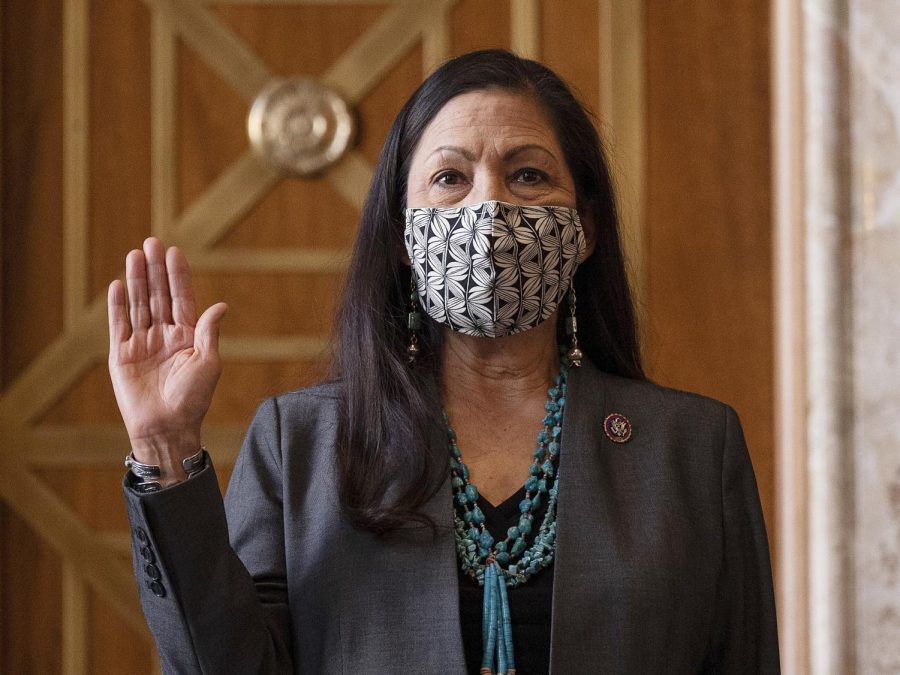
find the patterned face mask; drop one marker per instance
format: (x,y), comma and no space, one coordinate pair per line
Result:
(494,268)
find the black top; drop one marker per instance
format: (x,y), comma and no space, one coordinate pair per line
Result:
(529,604)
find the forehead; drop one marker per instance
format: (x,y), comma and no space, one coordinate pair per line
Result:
(500,117)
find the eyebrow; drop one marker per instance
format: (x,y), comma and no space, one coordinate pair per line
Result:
(453,148)
(510,154)
(519,149)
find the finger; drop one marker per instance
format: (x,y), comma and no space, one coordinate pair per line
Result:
(157,281)
(182,289)
(119,326)
(136,282)
(206,337)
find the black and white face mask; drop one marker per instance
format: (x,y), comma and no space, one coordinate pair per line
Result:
(494,268)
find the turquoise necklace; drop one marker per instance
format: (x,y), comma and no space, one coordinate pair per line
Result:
(509,562)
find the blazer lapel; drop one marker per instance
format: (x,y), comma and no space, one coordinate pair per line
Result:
(421,604)
(400,605)
(584,610)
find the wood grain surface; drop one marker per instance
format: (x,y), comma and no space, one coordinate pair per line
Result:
(709,212)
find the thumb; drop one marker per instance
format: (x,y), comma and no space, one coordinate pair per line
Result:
(206,334)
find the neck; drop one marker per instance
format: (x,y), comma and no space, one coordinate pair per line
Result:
(509,369)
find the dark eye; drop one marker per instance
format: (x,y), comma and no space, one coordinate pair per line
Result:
(530,176)
(448,178)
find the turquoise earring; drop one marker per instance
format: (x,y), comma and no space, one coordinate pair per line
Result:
(413,321)
(575,355)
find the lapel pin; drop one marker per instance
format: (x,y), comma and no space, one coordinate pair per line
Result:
(617,428)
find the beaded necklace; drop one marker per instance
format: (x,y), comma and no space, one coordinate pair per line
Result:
(510,562)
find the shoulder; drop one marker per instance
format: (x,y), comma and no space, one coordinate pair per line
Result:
(671,416)
(322,395)
(649,395)
(663,400)
(295,432)
(300,412)
(317,397)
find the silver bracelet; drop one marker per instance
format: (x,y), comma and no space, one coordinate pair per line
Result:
(148,474)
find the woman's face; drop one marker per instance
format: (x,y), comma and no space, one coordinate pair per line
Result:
(489,145)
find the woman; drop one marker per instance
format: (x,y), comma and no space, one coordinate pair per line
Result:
(627,535)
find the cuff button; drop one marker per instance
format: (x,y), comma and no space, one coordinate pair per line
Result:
(157,588)
(147,554)
(153,572)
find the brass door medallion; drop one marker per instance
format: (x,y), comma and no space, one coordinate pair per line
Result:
(299,126)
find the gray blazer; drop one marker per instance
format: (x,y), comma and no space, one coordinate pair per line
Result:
(662,564)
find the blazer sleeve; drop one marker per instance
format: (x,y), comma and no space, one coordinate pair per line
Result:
(217,604)
(745,638)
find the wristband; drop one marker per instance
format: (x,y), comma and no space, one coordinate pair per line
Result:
(148,474)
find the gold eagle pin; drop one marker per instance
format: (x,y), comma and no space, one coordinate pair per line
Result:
(617,428)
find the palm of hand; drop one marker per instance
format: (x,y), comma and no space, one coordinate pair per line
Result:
(161,379)
(163,362)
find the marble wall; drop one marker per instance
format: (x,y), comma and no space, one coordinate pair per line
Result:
(851,231)
(873,44)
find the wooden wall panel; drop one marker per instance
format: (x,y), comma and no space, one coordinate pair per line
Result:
(290,311)
(118,86)
(32,180)
(119,141)
(570,45)
(113,647)
(377,110)
(90,399)
(300,39)
(94,493)
(709,221)
(479,25)
(31,600)
(31,142)
(209,126)
(282,218)
(305,40)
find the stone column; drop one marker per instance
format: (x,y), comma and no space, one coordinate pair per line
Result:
(837,112)
(874,57)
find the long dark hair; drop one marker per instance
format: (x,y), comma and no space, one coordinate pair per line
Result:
(389,408)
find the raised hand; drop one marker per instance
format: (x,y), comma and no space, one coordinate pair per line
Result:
(163,361)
